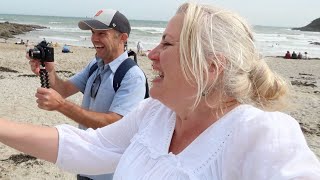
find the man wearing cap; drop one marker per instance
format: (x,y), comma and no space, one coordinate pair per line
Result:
(101,105)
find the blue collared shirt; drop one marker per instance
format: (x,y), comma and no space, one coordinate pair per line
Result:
(131,91)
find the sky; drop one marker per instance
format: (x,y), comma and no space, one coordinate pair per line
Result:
(284,13)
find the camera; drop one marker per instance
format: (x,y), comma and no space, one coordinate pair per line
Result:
(42,51)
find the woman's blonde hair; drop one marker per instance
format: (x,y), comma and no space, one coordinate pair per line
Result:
(213,37)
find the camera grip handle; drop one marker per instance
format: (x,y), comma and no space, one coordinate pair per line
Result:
(44,77)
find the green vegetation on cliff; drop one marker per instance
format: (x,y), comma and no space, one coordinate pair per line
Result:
(313,26)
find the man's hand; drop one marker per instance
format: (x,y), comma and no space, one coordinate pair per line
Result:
(35,65)
(49,99)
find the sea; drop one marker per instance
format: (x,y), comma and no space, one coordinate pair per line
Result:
(270,41)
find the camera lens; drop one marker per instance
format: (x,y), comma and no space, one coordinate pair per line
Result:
(35,53)
(30,53)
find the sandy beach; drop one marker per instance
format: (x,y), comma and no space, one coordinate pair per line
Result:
(17,102)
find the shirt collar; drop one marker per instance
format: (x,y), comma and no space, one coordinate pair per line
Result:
(113,65)
(116,63)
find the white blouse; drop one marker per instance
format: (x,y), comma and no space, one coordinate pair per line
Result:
(245,144)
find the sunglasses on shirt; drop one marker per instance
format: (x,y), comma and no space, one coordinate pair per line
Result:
(95,86)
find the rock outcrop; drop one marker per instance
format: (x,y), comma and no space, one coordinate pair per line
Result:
(8,30)
(313,26)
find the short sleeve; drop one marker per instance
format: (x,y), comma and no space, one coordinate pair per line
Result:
(132,90)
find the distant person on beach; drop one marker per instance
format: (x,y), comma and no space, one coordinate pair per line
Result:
(306,55)
(134,54)
(21,42)
(50,44)
(294,55)
(101,105)
(27,46)
(287,55)
(139,48)
(131,53)
(299,56)
(214,114)
(66,49)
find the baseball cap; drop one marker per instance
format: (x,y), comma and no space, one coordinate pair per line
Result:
(107,19)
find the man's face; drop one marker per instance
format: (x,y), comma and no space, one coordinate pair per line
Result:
(106,43)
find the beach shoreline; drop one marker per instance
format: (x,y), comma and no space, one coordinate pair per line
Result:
(270,40)
(18,86)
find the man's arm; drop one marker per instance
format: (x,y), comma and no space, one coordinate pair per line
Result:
(41,142)
(63,87)
(88,118)
(130,93)
(49,99)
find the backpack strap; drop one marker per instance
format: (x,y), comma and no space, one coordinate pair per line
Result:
(120,73)
(93,68)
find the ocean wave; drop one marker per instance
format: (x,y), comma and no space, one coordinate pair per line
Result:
(269,37)
(152,30)
(85,37)
(67,29)
(59,39)
(270,40)
(55,22)
(305,32)
(265,37)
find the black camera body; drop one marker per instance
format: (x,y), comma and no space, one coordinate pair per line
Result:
(43,52)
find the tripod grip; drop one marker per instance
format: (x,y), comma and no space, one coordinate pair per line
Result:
(44,77)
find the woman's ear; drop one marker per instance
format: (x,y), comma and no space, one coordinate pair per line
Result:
(217,63)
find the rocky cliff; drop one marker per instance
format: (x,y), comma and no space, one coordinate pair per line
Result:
(8,30)
(313,26)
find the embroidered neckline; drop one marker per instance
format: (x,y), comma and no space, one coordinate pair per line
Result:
(218,141)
